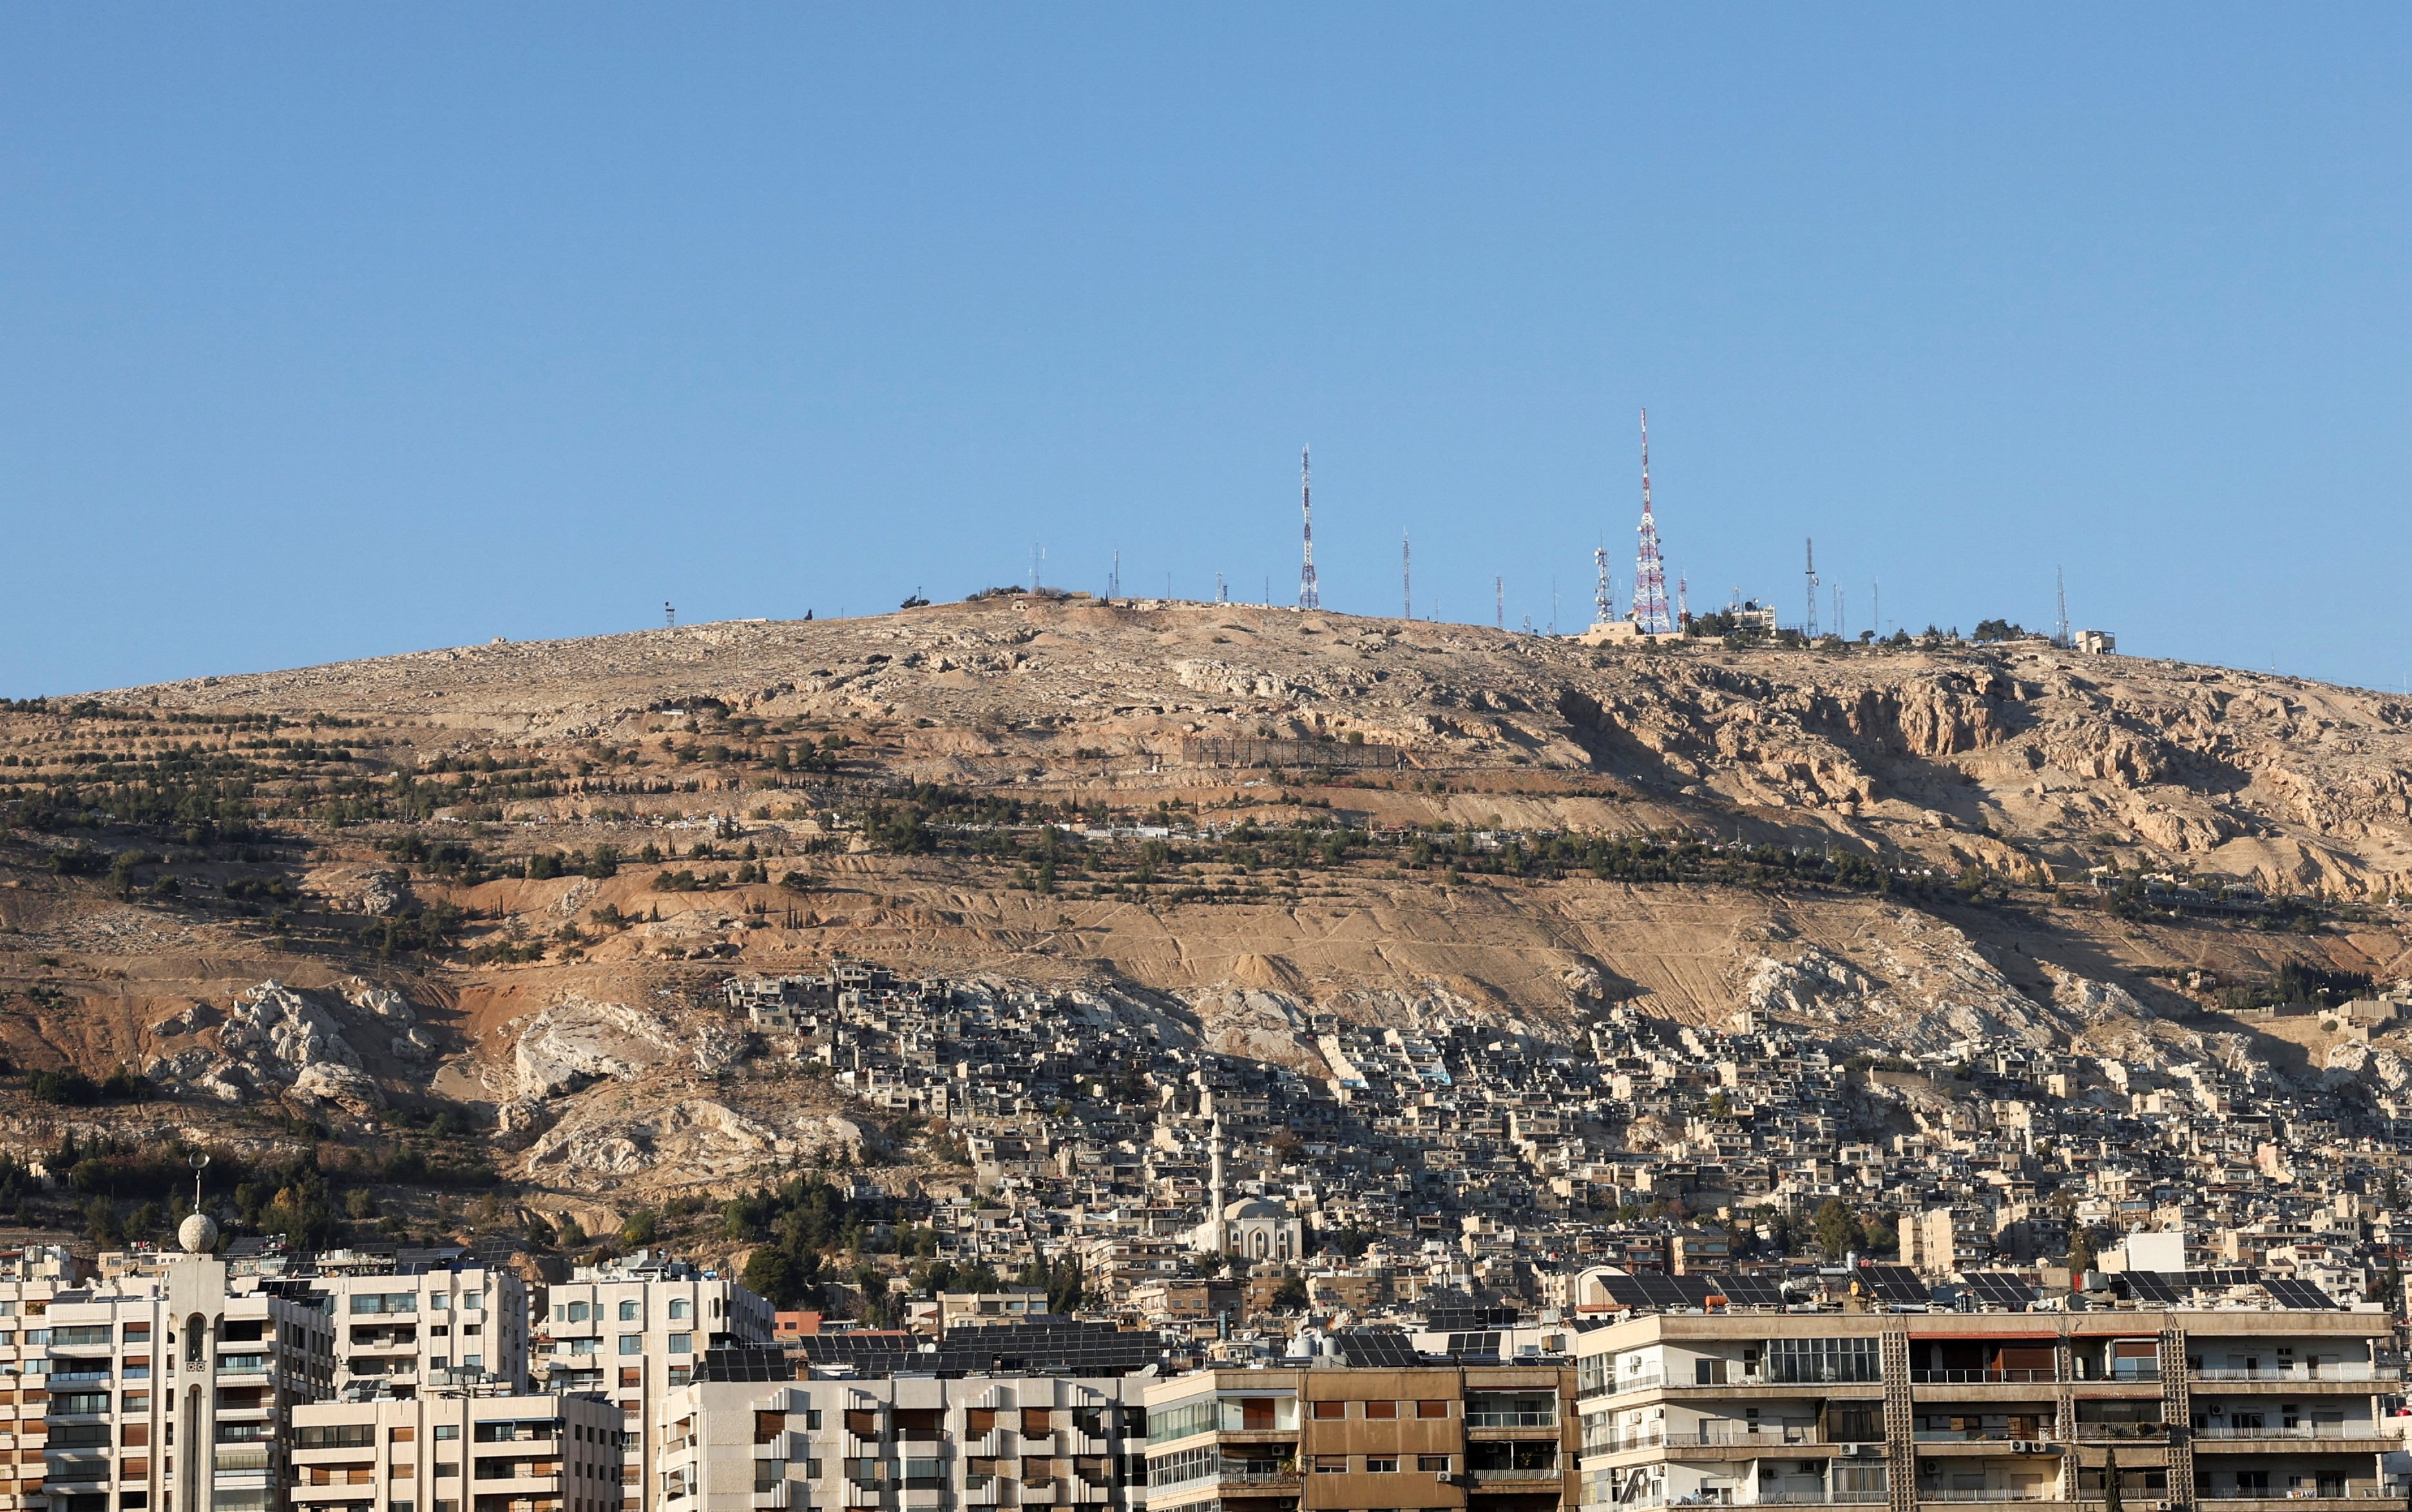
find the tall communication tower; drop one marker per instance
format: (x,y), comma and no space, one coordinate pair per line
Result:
(1309,596)
(669,613)
(1809,626)
(1407,580)
(1683,600)
(2060,636)
(1603,600)
(1649,572)
(1499,602)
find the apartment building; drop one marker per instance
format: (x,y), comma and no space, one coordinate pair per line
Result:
(2224,1410)
(117,1398)
(457,1452)
(634,1330)
(975,1442)
(400,1331)
(1401,1435)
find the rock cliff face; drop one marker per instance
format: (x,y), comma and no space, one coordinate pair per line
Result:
(588,1041)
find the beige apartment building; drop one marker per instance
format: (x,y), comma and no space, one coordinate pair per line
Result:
(457,1452)
(2224,1411)
(634,1332)
(975,1444)
(1493,1438)
(165,1391)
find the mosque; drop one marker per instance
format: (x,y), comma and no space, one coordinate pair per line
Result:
(1252,1229)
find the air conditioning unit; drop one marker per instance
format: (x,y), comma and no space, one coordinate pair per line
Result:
(1863,1451)
(1446,1477)
(2028,1446)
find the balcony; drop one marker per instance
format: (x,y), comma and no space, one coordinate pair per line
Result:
(1993,1375)
(2334,1431)
(1512,1419)
(2344,1371)
(1525,1472)
(2123,1433)
(1991,1493)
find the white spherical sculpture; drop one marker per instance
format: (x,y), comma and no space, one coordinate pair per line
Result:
(199,1234)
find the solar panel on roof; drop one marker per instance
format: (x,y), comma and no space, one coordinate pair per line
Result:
(1749,1291)
(2151,1289)
(1892,1284)
(2287,1291)
(1999,1288)
(1377,1349)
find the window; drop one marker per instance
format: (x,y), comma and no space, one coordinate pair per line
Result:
(1326,1411)
(1381,1409)
(439,1302)
(404,1434)
(681,1344)
(138,1402)
(681,1308)
(578,1311)
(1798,1360)
(1433,1465)
(472,1302)
(1331,1464)
(581,1346)
(632,1343)
(1381,1465)
(446,1430)
(635,1376)
(628,1311)
(1432,1409)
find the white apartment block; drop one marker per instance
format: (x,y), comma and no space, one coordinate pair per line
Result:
(634,1332)
(2220,1410)
(398,1334)
(457,1452)
(167,1385)
(975,1443)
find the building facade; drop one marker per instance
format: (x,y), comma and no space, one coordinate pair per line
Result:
(1495,1437)
(634,1332)
(2224,1410)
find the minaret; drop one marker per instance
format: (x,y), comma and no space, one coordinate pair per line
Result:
(1214,1191)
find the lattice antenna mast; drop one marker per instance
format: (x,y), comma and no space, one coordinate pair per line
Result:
(1649,571)
(1603,601)
(1683,600)
(1809,625)
(1407,579)
(1499,603)
(2060,636)
(1309,596)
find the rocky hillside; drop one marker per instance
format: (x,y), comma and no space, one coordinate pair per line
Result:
(458,918)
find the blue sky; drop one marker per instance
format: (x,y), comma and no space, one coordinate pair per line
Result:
(329,331)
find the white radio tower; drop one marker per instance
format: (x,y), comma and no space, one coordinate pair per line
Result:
(1308,595)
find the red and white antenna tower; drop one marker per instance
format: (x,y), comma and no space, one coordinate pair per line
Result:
(1649,572)
(1308,595)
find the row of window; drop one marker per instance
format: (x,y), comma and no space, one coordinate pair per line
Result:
(1325,1411)
(372,1303)
(631,1343)
(631,1309)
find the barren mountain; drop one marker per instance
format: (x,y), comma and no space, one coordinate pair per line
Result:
(499,885)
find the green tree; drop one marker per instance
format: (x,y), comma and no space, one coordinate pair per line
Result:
(640,1228)
(1837,1230)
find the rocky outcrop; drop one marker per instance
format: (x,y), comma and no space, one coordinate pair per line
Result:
(272,1041)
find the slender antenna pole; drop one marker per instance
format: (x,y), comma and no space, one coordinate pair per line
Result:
(1407,579)
(1309,596)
